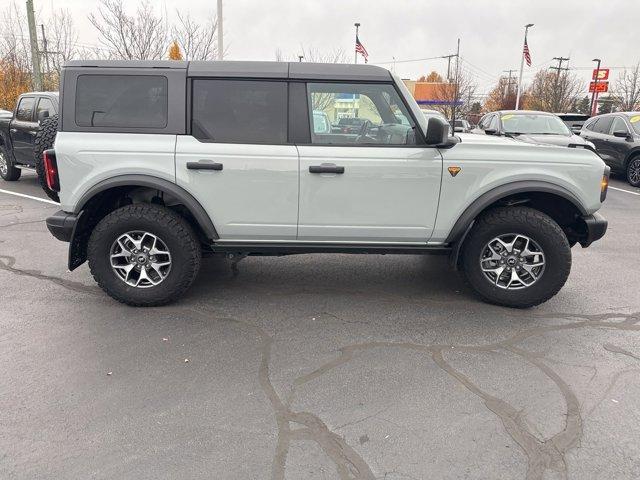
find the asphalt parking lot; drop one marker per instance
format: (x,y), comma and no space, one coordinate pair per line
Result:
(317,367)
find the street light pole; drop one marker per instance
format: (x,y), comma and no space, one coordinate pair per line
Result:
(594,95)
(526,29)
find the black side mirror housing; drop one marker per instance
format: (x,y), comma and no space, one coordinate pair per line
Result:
(491,131)
(621,134)
(437,132)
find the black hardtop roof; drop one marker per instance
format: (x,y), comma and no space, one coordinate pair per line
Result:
(240,69)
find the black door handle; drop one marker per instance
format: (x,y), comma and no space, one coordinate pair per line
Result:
(326,169)
(203,166)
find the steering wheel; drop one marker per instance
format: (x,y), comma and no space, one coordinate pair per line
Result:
(364,130)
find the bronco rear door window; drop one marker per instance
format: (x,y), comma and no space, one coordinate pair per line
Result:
(124,101)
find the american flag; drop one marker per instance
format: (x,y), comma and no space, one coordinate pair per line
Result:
(525,52)
(361,50)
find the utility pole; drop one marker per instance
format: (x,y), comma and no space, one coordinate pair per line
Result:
(556,93)
(449,57)
(35,54)
(507,92)
(456,89)
(357,25)
(526,30)
(220,32)
(45,50)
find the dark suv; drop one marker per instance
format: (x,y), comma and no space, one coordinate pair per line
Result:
(616,137)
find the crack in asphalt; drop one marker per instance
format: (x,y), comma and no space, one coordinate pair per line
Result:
(20,223)
(616,349)
(543,455)
(349,464)
(7,263)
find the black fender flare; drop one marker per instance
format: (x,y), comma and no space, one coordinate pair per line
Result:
(8,145)
(138,180)
(466,220)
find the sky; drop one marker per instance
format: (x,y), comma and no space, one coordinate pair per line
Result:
(491,31)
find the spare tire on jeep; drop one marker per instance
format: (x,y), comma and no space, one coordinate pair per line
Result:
(45,137)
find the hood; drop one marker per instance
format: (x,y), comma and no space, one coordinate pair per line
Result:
(558,140)
(484,139)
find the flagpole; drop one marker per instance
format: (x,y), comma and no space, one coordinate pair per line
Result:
(357,25)
(526,29)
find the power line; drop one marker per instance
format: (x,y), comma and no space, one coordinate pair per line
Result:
(409,61)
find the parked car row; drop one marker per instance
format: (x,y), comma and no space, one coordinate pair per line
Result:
(614,136)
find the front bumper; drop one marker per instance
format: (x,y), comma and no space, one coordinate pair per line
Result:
(61,225)
(596,227)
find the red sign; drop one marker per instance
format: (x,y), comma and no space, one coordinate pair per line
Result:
(600,87)
(603,74)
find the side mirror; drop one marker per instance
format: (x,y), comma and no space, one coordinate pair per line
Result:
(621,134)
(491,131)
(576,130)
(437,131)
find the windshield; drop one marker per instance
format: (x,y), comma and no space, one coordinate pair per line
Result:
(635,122)
(534,124)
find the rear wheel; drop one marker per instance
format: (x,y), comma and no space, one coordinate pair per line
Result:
(516,257)
(45,137)
(144,255)
(7,171)
(633,171)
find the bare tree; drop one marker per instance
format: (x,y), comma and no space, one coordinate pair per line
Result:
(627,89)
(457,95)
(14,39)
(553,92)
(15,56)
(321,101)
(62,39)
(197,41)
(314,55)
(141,36)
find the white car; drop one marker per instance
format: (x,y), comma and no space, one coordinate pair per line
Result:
(158,162)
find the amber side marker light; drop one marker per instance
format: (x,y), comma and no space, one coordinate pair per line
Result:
(604,184)
(454,170)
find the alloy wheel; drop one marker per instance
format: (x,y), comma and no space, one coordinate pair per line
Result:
(4,168)
(512,261)
(140,259)
(633,171)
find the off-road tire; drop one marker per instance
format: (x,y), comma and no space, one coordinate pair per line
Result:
(45,137)
(634,163)
(525,221)
(12,173)
(175,232)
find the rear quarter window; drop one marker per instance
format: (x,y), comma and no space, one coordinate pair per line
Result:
(122,101)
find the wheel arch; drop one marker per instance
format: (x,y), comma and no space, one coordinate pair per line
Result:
(154,183)
(556,201)
(635,152)
(108,195)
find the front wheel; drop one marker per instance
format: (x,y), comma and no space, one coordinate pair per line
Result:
(516,257)
(633,171)
(144,255)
